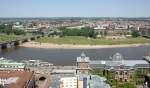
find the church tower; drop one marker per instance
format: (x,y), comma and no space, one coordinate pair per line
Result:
(82,64)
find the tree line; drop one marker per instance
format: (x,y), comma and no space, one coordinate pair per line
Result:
(87,32)
(7,29)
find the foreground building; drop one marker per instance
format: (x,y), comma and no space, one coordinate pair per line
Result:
(37,63)
(81,81)
(84,79)
(92,81)
(14,75)
(68,82)
(82,64)
(11,65)
(17,79)
(123,69)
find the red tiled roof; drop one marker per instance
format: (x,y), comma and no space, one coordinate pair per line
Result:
(24,77)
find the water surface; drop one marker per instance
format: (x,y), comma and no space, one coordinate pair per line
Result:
(68,56)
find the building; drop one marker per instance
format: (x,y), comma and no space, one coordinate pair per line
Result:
(101,28)
(63,79)
(82,82)
(37,63)
(112,30)
(123,74)
(147,58)
(92,81)
(147,77)
(145,31)
(96,81)
(17,79)
(18,26)
(13,75)
(82,64)
(68,82)
(123,69)
(116,33)
(123,27)
(6,64)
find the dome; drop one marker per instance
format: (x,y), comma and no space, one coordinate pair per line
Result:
(117,57)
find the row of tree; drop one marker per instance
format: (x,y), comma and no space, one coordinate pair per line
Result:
(87,32)
(7,29)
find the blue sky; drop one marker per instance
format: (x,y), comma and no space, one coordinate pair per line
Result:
(74,8)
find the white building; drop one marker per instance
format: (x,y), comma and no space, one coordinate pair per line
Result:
(68,82)
(101,27)
(6,64)
(121,27)
(6,81)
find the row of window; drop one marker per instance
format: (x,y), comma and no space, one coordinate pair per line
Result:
(122,73)
(8,66)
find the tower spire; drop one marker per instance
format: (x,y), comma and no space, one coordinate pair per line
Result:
(83,54)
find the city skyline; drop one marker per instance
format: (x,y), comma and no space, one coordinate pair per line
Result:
(77,8)
(74,44)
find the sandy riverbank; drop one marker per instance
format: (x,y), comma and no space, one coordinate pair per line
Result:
(70,46)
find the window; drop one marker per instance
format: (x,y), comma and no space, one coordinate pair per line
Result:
(121,80)
(125,80)
(121,73)
(126,73)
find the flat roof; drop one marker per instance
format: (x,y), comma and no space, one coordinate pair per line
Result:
(124,62)
(63,71)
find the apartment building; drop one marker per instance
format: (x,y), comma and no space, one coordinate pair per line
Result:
(68,82)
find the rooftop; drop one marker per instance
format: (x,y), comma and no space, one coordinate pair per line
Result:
(95,81)
(147,58)
(117,60)
(83,58)
(22,77)
(115,63)
(6,61)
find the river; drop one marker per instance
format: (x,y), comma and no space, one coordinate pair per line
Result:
(68,56)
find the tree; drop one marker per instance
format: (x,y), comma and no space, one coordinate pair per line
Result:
(87,32)
(18,32)
(135,33)
(62,28)
(7,29)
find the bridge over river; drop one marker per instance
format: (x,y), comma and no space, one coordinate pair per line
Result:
(17,42)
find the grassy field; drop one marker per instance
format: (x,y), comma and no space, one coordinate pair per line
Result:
(4,37)
(85,41)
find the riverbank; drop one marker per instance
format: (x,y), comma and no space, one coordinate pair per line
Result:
(78,40)
(71,46)
(4,37)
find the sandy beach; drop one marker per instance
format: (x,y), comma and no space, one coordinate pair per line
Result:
(71,46)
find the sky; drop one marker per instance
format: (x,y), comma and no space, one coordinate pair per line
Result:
(74,8)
